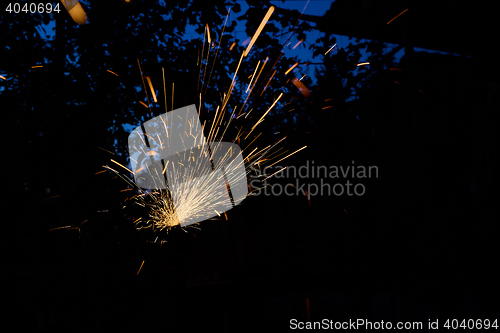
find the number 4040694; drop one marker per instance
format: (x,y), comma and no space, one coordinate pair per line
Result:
(32,8)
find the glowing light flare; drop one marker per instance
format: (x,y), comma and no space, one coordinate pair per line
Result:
(362,64)
(259,29)
(1,77)
(36,66)
(232,46)
(112,72)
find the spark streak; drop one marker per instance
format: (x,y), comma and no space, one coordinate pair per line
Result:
(151,88)
(259,29)
(331,48)
(291,68)
(404,11)
(140,268)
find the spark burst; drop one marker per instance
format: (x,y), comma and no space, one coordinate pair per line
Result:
(201,178)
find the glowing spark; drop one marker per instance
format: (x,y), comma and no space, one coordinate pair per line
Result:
(290,69)
(300,41)
(303,76)
(165,90)
(144,104)
(404,11)
(331,48)
(327,107)
(140,268)
(268,82)
(106,150)
(362,64)
(65,227)
(308,198)
(36,66)
(253,75)
(259,29)
(261,118)
(112,72)
(151,88)
(122,166)
(1,77)
(232,46)
(289,155)
(208,34)
(274,173)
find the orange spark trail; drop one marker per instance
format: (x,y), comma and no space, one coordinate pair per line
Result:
(260,120)
(404,11)
(289,155)
(253,75)
(140,268)
(268,82)
(122,166)
(300,41)
(274,173)
(259,29)
(291,68)
(151,88)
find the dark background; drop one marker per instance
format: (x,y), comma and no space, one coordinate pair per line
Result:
(420,244)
